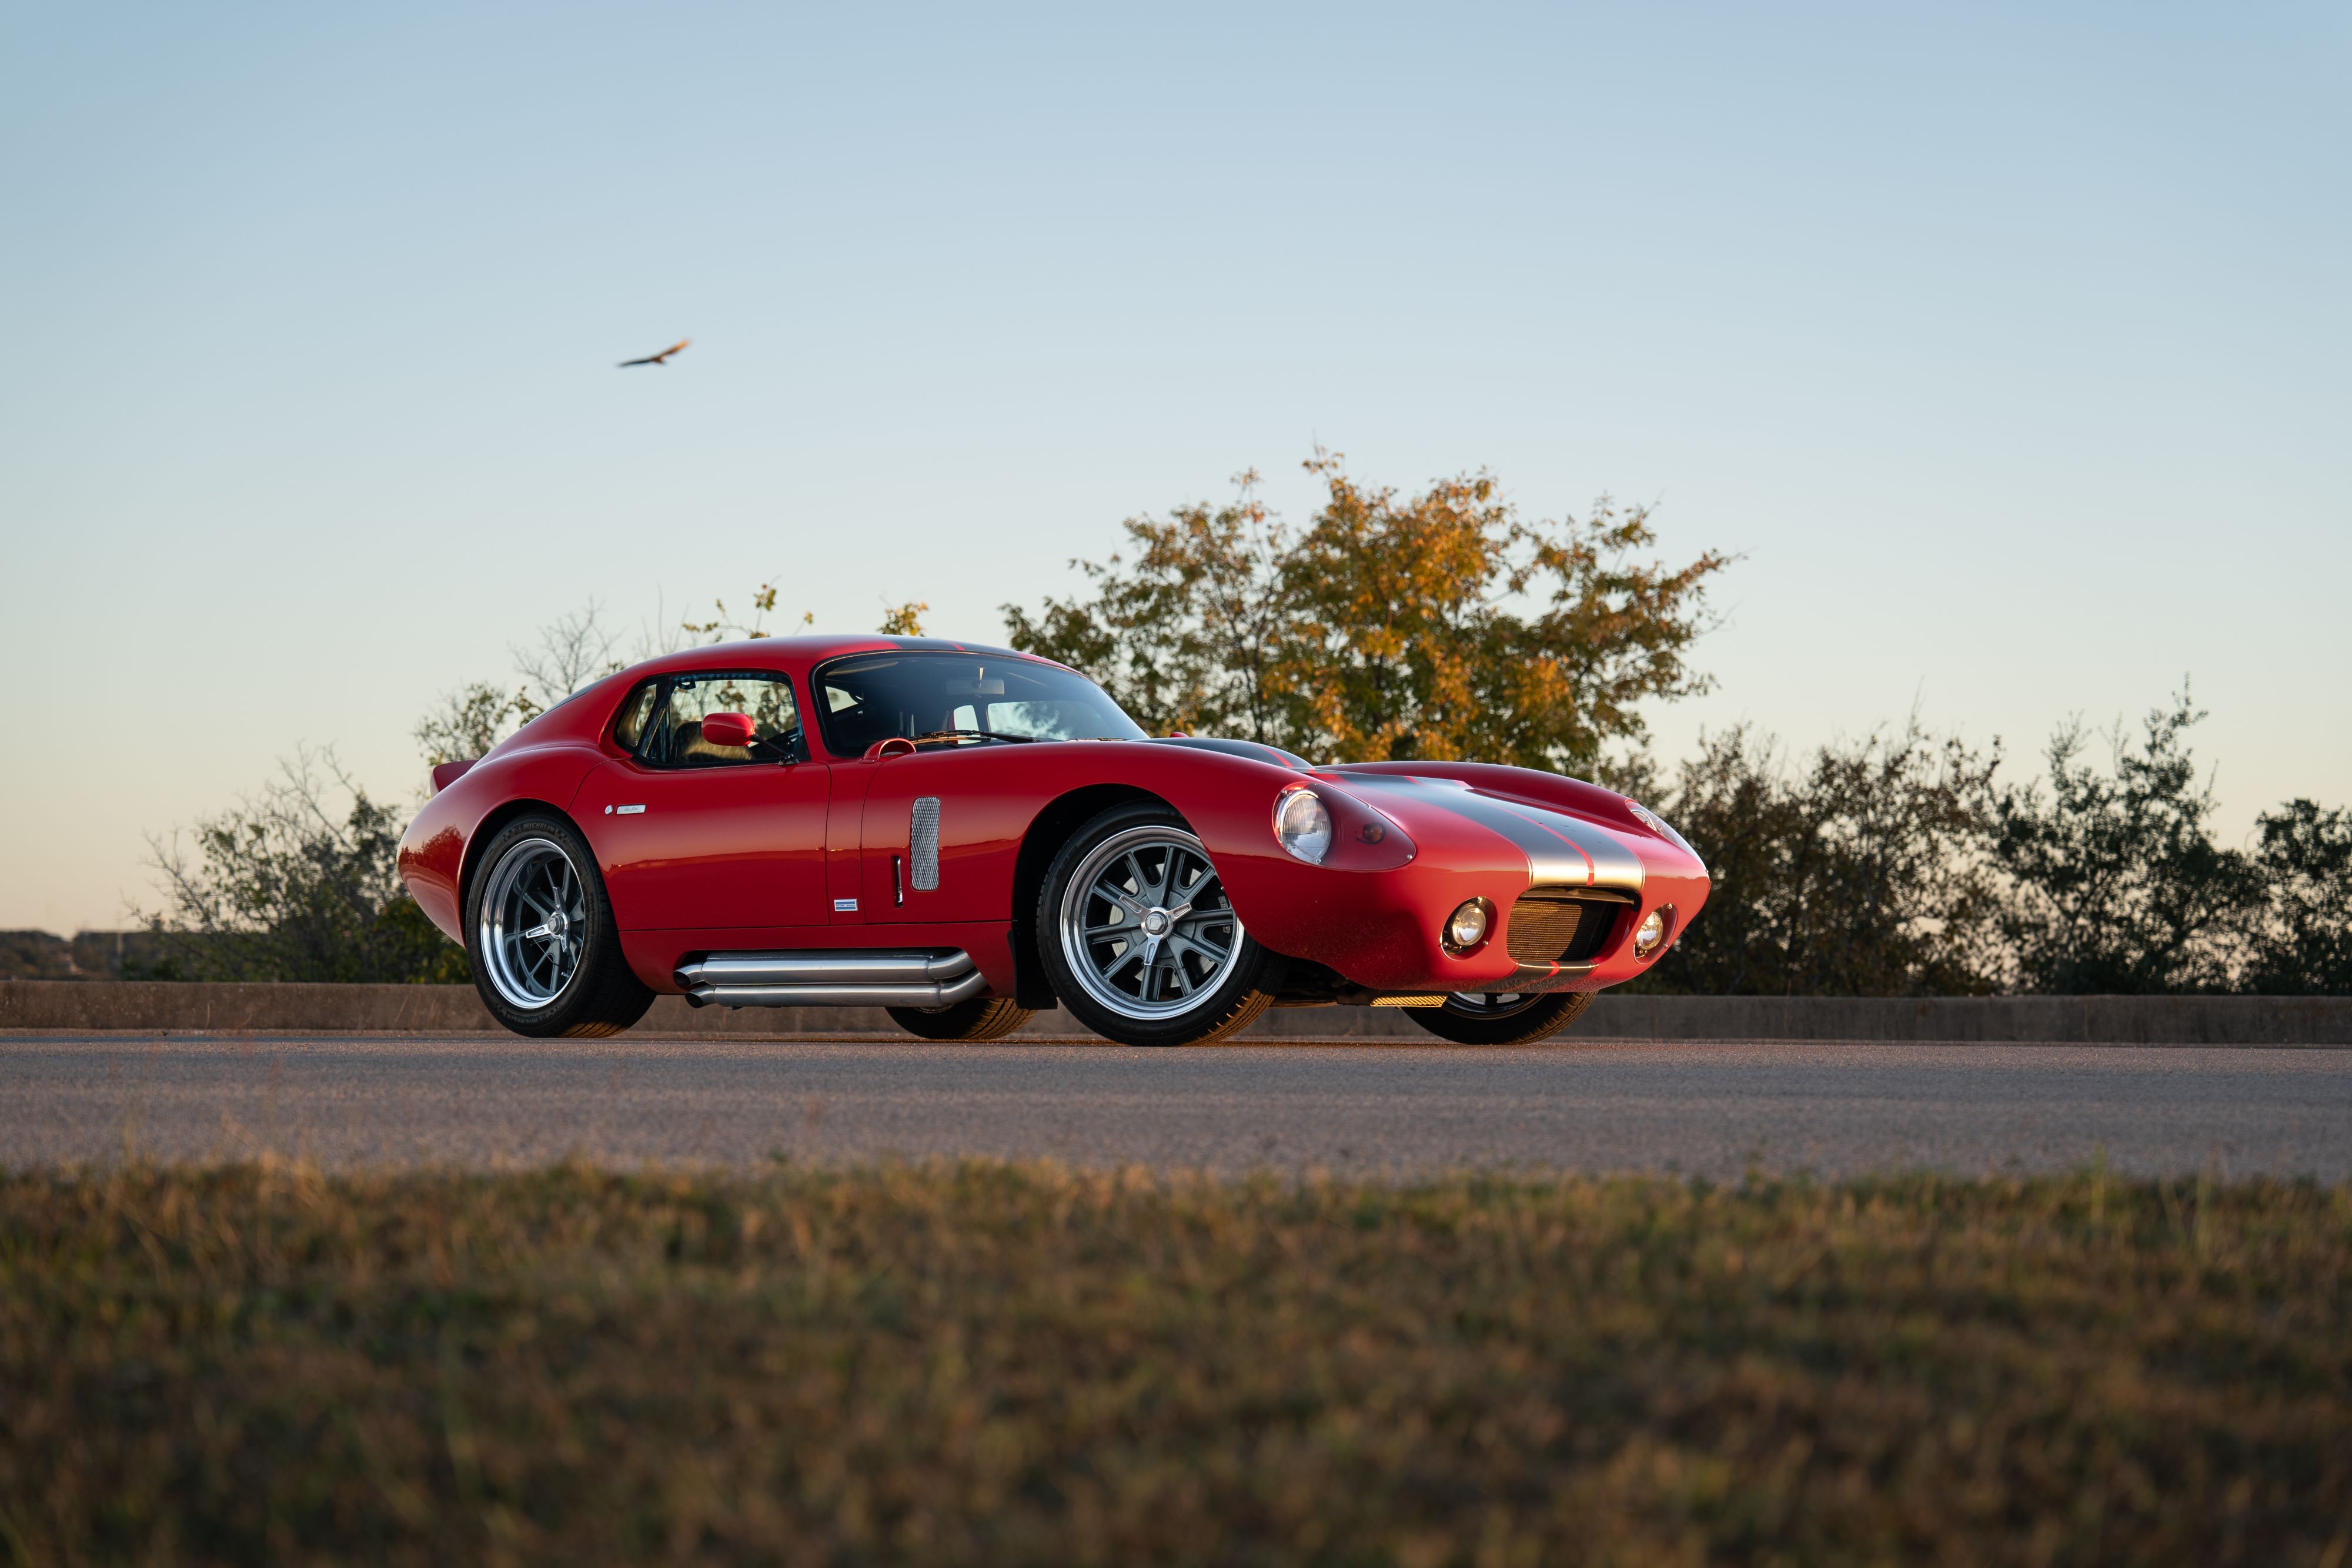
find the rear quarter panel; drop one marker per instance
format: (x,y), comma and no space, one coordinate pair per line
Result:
(434,852)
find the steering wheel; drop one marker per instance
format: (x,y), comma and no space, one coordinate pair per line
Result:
(787,746)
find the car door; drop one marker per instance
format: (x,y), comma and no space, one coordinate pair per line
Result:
(696,834)
(941,832)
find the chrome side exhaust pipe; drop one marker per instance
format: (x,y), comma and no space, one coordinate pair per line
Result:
(831,979)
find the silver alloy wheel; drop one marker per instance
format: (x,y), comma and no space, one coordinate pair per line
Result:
(534,927)
(1146,925)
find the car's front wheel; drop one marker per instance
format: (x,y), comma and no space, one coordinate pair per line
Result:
(539,933)
(1471,1018)
(1140,938)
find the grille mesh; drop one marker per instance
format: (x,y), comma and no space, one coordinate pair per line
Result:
(923,844)
(1546,928)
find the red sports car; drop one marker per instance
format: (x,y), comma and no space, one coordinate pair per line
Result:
(965,835)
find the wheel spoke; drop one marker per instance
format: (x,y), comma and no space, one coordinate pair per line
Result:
(1179,943)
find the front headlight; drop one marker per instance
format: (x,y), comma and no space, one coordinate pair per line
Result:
(1302,824)
(1661,827)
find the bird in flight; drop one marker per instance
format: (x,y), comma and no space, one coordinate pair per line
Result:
(660,358)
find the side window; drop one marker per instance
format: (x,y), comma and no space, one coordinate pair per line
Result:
(630,728)
(674,738)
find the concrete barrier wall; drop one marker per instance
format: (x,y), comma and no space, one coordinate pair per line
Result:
(2108,1020)
(66,1005)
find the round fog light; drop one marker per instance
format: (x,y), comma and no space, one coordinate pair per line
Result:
(1651,935)
(1467,927)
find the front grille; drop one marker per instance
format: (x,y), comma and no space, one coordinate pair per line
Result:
(1548,928)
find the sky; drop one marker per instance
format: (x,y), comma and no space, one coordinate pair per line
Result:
(2007,345)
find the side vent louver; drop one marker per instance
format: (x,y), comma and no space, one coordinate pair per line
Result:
(923,845)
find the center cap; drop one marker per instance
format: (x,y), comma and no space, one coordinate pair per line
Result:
(558,922)
(1155,923)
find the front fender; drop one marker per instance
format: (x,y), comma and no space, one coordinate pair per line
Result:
(1477,831)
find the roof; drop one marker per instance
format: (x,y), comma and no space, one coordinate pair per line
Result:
(799,652)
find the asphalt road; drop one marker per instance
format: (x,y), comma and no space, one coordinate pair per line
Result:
(1712,1109)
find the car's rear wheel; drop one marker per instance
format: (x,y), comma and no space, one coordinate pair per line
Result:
(1470,1018)
(1139,939)
(538,930)
(981,1018)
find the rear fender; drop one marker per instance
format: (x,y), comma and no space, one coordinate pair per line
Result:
(438,850)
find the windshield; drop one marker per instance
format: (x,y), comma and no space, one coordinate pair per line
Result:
(873,696)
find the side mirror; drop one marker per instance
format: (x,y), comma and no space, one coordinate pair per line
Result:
(729,730)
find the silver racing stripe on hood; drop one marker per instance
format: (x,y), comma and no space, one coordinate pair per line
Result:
(1562,850)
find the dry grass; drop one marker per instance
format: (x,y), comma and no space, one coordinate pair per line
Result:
(994,1364)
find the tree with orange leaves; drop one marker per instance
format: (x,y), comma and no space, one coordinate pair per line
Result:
(1440,625)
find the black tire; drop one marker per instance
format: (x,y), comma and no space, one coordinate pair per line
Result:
(1215,997)
(525,982)
(1521,1021)
(981,1018)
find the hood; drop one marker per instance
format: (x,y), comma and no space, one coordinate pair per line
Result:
(1562,850)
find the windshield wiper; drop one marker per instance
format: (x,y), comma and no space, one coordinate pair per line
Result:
(977,733)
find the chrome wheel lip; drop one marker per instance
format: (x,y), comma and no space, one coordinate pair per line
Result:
(1072,925)
(533,930)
